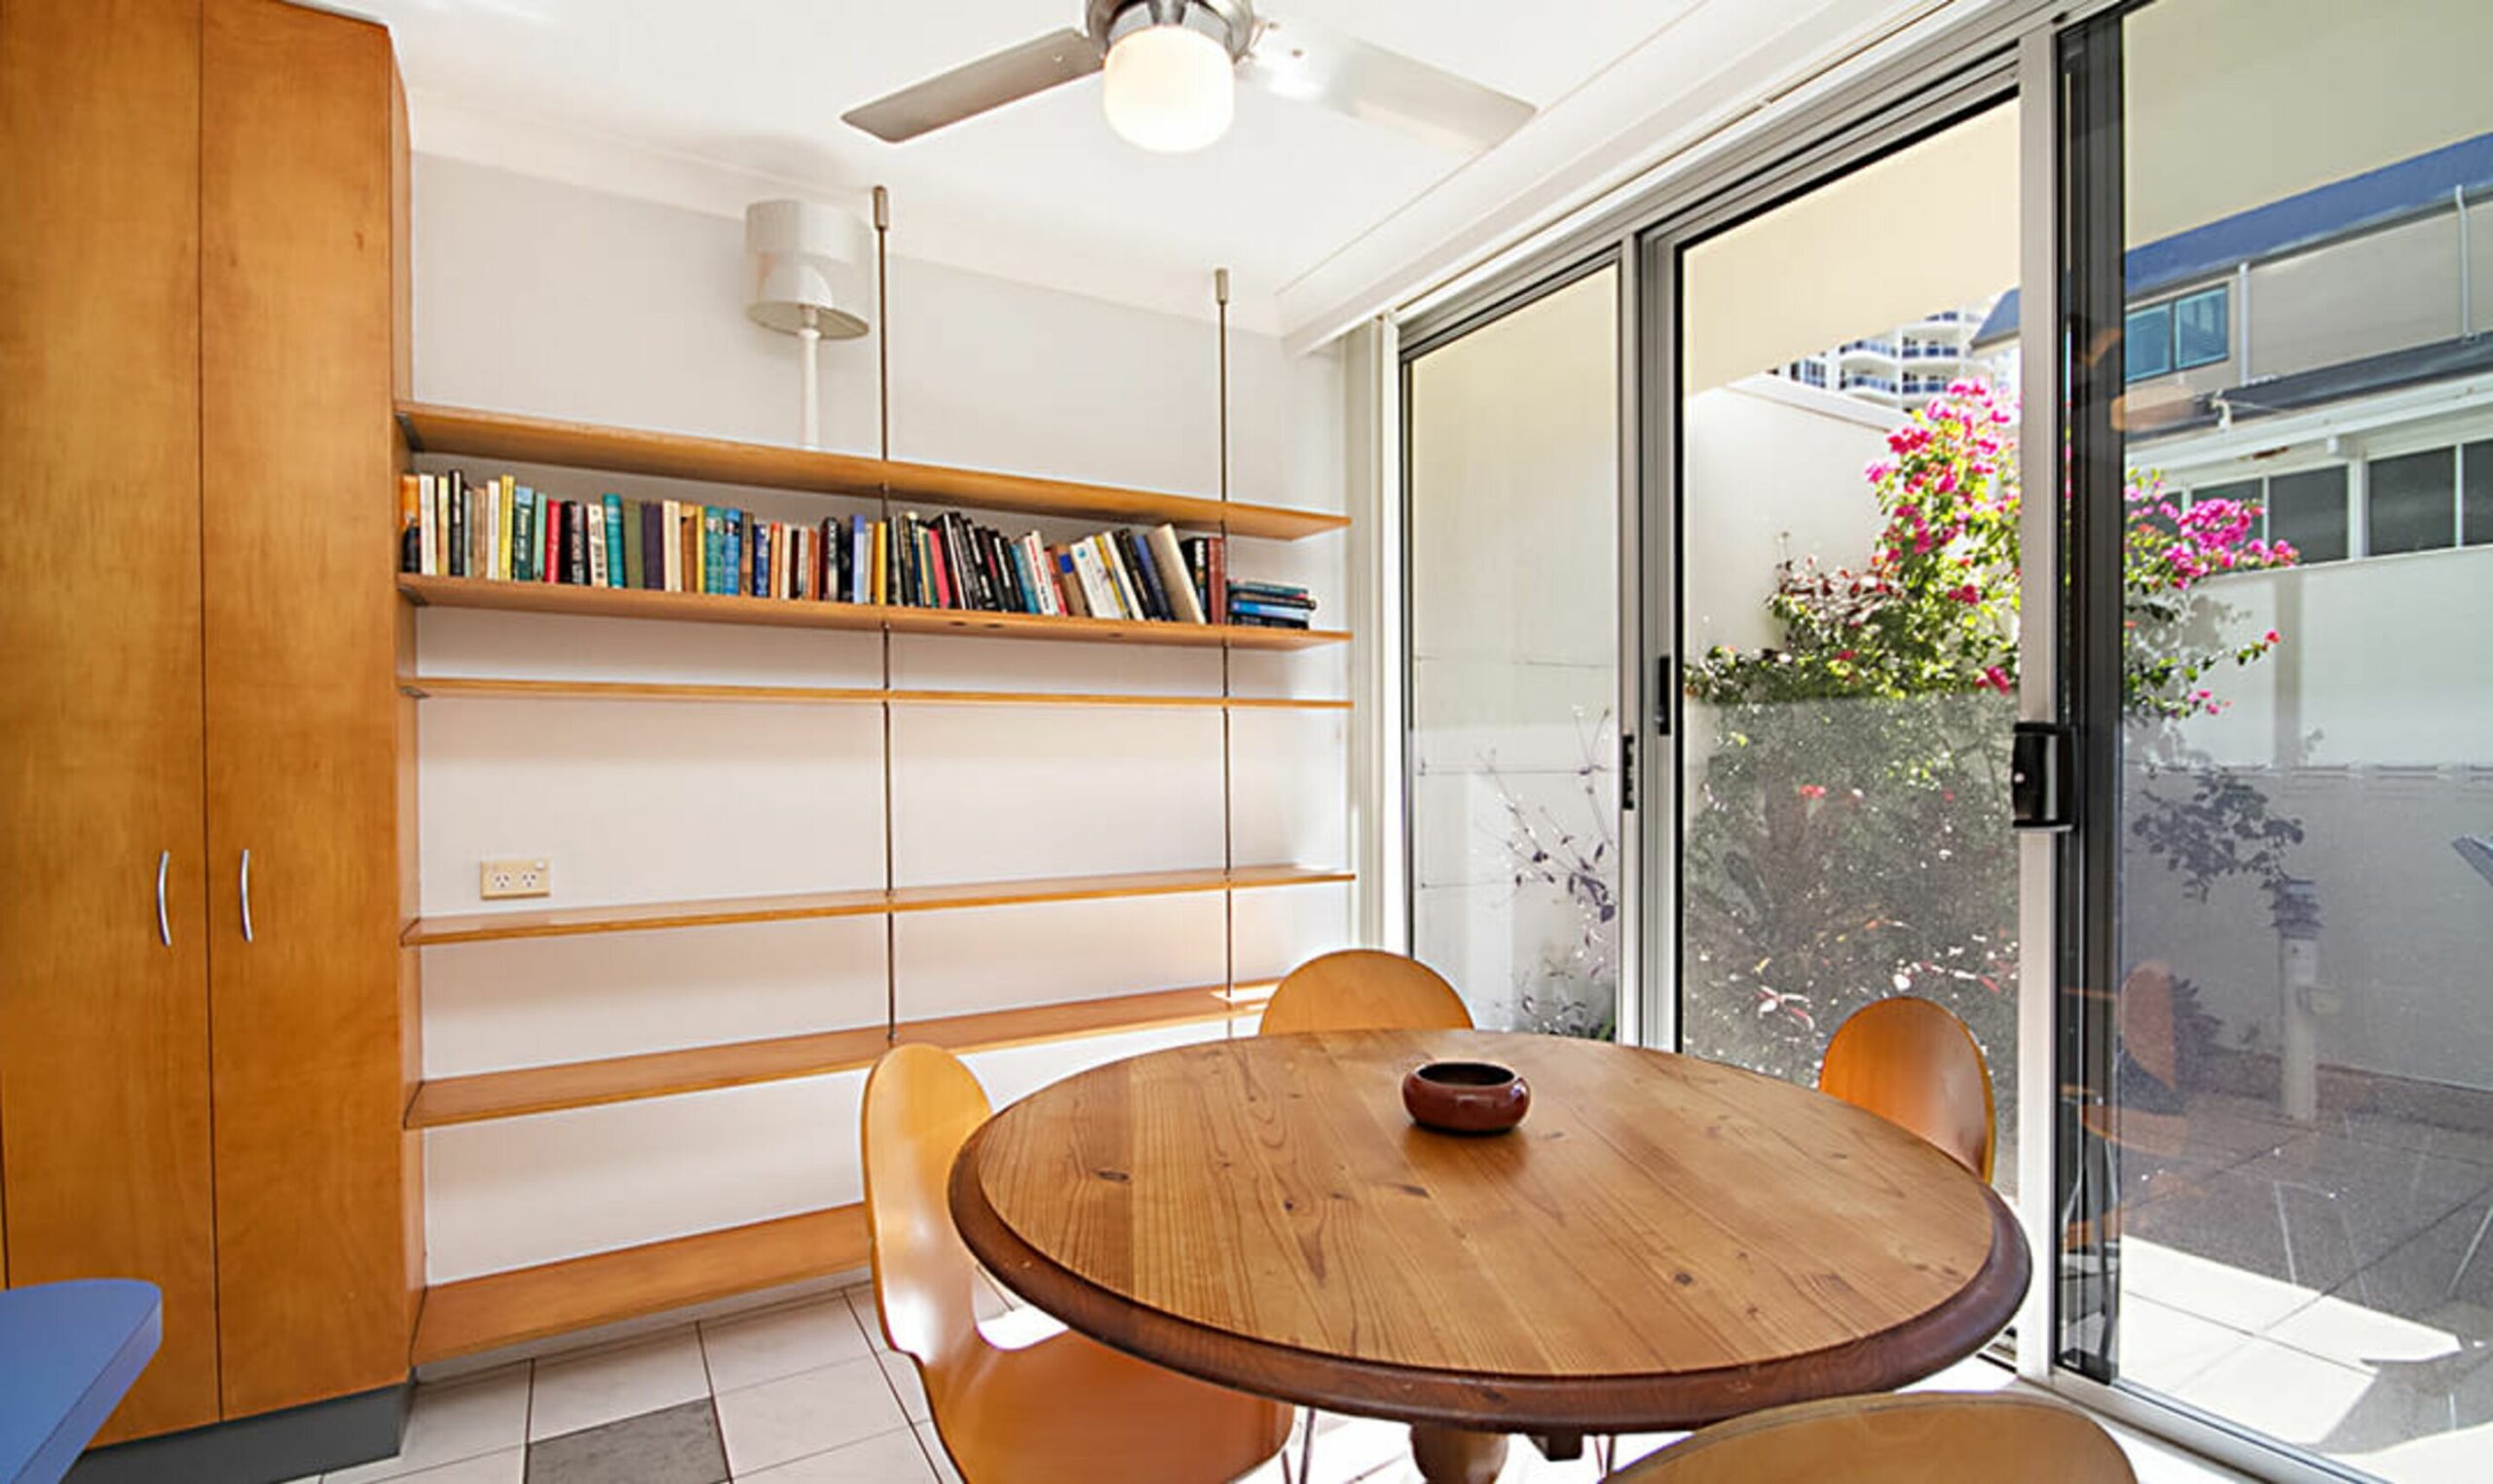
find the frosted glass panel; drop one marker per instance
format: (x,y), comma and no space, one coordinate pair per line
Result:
(1514,661)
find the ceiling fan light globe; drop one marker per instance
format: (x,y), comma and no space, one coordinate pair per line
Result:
(1170,89)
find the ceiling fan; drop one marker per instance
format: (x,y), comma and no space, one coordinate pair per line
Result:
(1172,70)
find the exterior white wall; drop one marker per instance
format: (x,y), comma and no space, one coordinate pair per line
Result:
(1772,469)
(544,298)
(2372,725)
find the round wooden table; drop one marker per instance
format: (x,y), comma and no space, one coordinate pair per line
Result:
(1664,1242)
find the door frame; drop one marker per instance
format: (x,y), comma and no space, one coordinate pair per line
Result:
(1904,93)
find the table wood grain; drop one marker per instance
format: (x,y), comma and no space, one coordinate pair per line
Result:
(1664,1242)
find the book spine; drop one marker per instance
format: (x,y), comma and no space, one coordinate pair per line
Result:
(614,521)
(456,498)
(1176,583)
(1217,566)
(437,522)
(1128,594)
(944,560)
(505,517)
(1107,599)
(1068,584)
(596,514)
(1269,610)
(411,524)
(862,549)
(430,517)
(541,539)
(1026,579)
(1146,562)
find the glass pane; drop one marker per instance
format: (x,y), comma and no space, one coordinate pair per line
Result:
(1513,545)
(2307,512)
(2411,502)
(2300,1132)
(2199,329)
(2477,496)
(2146,343)
(1850,613)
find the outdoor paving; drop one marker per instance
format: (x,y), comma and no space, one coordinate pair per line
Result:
(2303,1280)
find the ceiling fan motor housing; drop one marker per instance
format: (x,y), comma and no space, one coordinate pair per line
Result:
(1231,22)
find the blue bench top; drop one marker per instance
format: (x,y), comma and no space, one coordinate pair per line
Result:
(68,1352)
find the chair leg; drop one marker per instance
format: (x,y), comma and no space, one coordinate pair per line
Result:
(1306,1473)
(2468,1260)
(1606,1453)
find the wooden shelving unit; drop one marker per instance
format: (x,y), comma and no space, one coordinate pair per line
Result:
(784,613)
(475,1315)
(863,902)
(518,1093)
(491,688)
(468,432)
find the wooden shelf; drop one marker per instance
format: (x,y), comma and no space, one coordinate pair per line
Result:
(711,911)
(461,431)
(447,686)
(482,1314)
(524,1090)
(785,613)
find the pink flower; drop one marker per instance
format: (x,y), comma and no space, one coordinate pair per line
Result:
(1996,677)
(1813,791)
(2269,637)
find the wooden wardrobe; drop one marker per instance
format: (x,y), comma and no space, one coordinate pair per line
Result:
(204,1043)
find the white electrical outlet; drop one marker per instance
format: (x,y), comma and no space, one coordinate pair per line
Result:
(515,877)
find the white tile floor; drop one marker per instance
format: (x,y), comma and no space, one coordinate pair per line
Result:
(806,1394)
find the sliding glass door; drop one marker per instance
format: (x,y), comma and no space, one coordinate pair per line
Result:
(2279,1150)
(1843,424)
(1512,518)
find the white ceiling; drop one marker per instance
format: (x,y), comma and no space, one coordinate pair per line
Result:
(599,91)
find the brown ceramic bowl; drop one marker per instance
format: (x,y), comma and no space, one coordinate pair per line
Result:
(1466,1096)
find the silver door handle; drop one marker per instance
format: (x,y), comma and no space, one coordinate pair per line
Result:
(164,922)
(246,894)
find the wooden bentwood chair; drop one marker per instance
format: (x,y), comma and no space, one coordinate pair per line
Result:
(1915,1065)
(1928,1438)
(1365,990)
(1062,1411)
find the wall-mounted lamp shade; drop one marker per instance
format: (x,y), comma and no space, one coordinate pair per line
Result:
(810,267)
(1170,89)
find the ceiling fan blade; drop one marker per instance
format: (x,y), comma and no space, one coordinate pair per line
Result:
(991,82)
(1296,60)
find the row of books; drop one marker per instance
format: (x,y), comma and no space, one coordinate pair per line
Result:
(502,531)
(1270,604)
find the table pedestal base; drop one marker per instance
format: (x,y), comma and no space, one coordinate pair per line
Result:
(1452,1456)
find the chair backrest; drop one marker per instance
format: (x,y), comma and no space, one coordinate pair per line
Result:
(921,1105)
(1924,1437)
(1915,1065)
(1365,990)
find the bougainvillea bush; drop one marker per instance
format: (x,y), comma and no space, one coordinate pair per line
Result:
(1848,837)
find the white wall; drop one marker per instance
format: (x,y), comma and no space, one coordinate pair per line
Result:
(2373,725)
(537,297)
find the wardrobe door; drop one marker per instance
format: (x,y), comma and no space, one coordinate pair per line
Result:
(104,1002)
(298,331)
